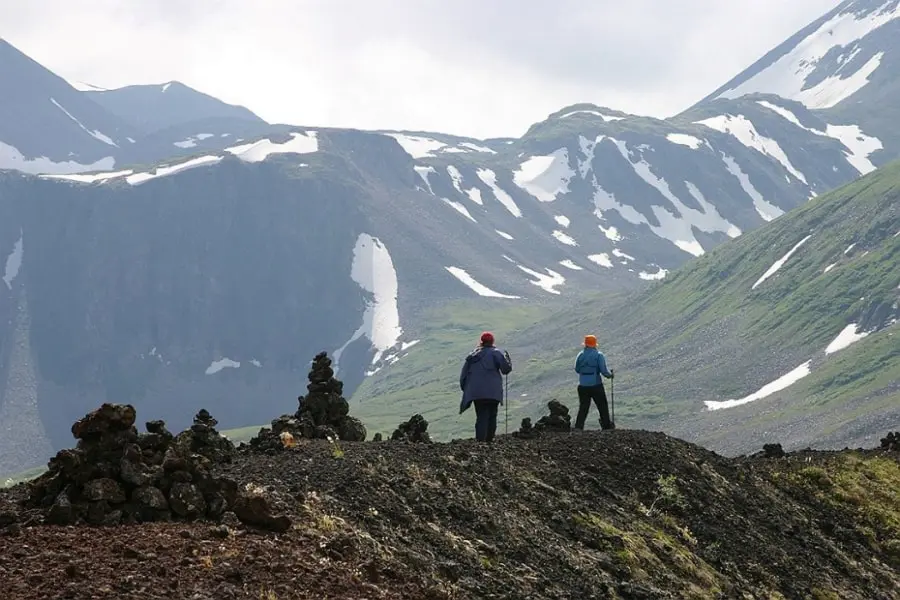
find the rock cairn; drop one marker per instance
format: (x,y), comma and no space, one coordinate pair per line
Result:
(773,451)
(414,430)
(557,420)
(891,442)
(322,413)
(526,430)
(115,474)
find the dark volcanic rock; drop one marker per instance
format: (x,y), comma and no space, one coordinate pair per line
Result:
(557,420)
(414,430)
(322,414)
(526,430)
(254,508)
(891,441)
(773,451)
(115,474)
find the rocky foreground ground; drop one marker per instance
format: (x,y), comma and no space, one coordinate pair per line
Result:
(613,514)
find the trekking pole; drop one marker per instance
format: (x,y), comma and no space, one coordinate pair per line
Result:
(506,405)
(612,398)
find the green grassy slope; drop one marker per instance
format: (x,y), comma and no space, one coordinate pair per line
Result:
(705,334)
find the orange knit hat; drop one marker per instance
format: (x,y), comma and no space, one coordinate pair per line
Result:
(590,341)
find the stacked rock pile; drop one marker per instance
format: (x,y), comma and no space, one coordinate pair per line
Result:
(115,474)
(322,413)
(414,430)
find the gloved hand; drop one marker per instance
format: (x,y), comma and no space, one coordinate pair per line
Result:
(612,374)
(508,359)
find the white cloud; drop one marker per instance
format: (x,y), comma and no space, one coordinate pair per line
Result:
(472,68)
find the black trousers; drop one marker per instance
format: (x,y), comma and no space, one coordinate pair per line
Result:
(485,419)
(595,393)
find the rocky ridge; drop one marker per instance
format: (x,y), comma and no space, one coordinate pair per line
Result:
(618,514)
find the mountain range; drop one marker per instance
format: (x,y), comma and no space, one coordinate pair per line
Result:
(162,247)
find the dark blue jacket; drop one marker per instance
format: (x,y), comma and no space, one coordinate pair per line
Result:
(589,365)
(482,376)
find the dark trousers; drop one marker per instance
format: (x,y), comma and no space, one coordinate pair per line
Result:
(485,419)
(587,393)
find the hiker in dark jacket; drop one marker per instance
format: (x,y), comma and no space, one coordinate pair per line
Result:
(481,381)
(590,365)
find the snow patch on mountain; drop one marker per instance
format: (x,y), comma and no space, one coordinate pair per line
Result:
(545,177)
(460,209)
(223,363)
(93,133)
(423,172)
(489,178)
(547,282)
(595,113)
(764,209)
(684,139)
(14,261)
(254,152)
(11,158)
(601,259)
(780,262)
(417,146)
(562,220)
(165,171)
(89,177)
(743,130)
(504,235)
(788,75)
(770,388)
(660,274)
(569,264)
(622,255)
(859,145)
(478,288)
(191,142)
(678,228)
(611,233)
(587,149)
(564,238)
(848,335)
(373,270)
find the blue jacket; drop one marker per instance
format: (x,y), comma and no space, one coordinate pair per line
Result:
(589,365)
(482,376)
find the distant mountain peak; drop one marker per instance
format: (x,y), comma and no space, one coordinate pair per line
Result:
(827,62)
(586,110)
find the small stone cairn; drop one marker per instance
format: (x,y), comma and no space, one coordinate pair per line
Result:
(415,430)
(322,413)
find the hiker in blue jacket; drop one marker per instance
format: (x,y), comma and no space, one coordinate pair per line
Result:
(481,381)
(590,365)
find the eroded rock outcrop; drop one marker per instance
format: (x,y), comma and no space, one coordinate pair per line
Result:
(322,413)
(891,442)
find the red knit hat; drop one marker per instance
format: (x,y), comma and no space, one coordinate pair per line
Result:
(487,338)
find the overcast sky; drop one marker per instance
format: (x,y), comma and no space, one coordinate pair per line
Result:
(471,67)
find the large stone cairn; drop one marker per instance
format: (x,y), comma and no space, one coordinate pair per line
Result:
(115,474)
(557,420)
(415,430)
(322,413)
